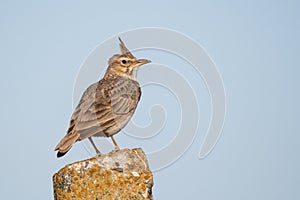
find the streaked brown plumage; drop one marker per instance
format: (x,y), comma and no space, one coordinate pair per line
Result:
(107,105)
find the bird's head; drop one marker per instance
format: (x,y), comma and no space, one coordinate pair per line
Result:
(124,64)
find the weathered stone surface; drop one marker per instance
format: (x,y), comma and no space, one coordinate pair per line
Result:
(118,175)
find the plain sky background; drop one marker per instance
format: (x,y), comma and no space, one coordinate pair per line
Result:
(255,45)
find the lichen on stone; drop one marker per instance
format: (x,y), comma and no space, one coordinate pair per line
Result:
(122,175)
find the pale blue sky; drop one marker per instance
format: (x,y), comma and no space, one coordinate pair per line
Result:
(255,45)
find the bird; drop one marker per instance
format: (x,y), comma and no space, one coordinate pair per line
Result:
(107,105)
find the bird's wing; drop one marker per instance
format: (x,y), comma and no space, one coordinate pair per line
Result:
(124,102)
(108,104)
(86,114)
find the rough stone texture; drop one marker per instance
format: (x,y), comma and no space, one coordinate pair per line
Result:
(118,175)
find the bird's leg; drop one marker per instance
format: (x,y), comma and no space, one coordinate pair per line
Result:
(97,150)
(117,148)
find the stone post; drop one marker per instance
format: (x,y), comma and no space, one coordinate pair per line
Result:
(121,175)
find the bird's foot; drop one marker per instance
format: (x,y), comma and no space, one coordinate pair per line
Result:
(98,154)
(117,148)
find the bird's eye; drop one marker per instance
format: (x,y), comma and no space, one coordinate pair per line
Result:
(124,62)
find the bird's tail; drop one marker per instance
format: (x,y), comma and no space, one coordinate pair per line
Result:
(66,143)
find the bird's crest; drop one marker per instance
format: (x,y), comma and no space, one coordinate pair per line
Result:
(124,49)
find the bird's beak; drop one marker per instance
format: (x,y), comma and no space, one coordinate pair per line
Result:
(141,62)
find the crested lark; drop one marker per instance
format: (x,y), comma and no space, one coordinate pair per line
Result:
(107,105)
